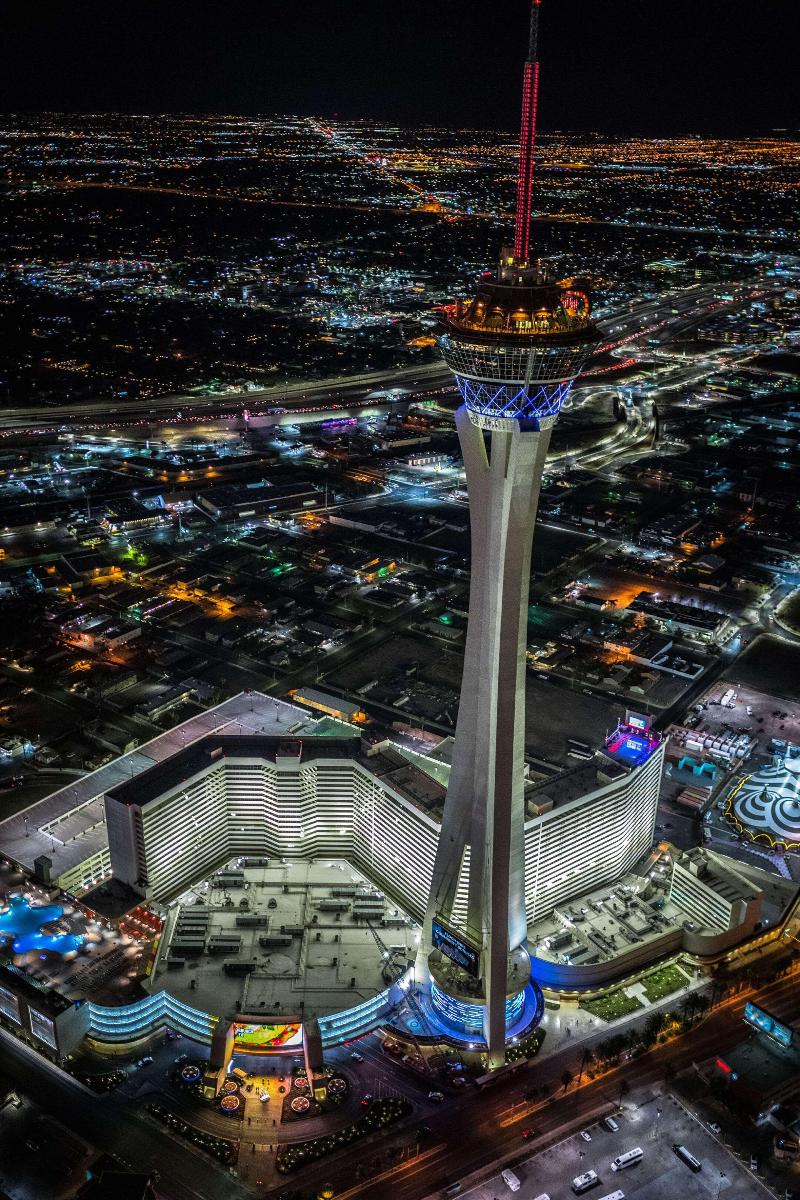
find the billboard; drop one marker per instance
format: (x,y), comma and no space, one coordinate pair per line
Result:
(456,948)
(265,1039)
(759,1019)
(636,745)
(638,721)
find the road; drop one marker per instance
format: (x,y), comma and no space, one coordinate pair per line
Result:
(110,1123)
(427,205)
(475,1133)
(292,398)
(662,318)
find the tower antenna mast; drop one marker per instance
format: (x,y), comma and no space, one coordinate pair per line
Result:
(527,142)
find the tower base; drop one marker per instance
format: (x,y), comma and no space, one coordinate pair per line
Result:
(439,1017)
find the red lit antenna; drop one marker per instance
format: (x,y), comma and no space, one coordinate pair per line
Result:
(527,141)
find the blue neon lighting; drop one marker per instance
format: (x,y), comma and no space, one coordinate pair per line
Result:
(509,400)
(469,1017)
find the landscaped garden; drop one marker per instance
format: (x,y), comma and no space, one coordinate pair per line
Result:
(664,982)
(379,1115)
(613,1005)
(218,1147)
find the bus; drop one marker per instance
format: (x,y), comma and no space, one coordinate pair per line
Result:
(629,1159)
(687,1157)
(582,1183)
(617,1195)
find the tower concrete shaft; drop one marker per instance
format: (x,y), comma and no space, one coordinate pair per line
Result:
(485,803)
(515,349)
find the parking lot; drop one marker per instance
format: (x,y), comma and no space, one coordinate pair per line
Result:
(654,1123)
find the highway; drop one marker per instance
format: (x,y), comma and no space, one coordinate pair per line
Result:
(662,317)
(279,399)
(427,205)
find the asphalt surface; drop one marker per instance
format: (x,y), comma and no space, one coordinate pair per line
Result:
(479,1133)
(112,1124)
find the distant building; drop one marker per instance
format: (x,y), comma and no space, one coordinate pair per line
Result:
(332,706)
(714,894)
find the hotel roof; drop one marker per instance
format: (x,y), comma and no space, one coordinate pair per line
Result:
(68,826)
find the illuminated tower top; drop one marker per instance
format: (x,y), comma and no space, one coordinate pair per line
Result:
(516,346)
(527,142)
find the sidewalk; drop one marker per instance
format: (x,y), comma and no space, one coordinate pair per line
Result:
(571,1026)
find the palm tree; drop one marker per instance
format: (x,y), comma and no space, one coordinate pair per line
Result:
(587,1058)
(566,1079)
(624,1088)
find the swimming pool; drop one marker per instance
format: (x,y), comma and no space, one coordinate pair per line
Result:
(23,921)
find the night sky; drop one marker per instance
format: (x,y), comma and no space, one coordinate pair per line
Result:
(619,66)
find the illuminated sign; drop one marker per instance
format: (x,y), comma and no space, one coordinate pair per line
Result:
(459,951)
(42,1027)
(9,1005)
(637,745)
(264,1039)
(637,721)
(764,1023)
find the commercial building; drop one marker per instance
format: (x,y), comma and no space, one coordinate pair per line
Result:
(54,1022)
(254,777)
(714,894)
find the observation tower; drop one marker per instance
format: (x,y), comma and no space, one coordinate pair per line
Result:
(515,349)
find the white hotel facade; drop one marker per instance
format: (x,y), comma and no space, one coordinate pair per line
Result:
(320,796)
(258,777)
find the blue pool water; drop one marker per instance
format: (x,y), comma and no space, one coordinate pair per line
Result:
(23,921)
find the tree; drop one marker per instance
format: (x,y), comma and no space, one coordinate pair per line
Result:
(587,1058)
(566,1079)
(652,1028)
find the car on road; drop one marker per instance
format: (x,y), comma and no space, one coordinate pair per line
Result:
(529,1133)
(437,1097)
(356,1057)
(714,1127)
(366,1100)
(587,1137)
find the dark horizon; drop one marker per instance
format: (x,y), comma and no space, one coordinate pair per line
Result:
(620,69)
